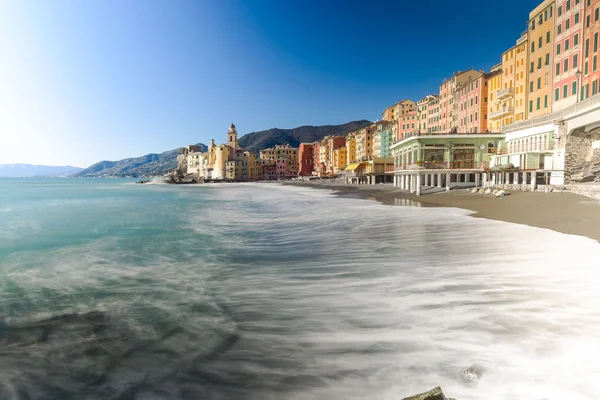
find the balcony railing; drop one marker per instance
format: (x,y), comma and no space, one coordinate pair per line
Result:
(501,113)
(414,134)
(558,115)
(506,93)
(466,164)
(525,149)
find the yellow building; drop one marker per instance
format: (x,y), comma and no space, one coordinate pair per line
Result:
(508,98)
(397,110)
(497,105)
(228,161)
(339,160)
(364,143)
(351,147)
(541,55)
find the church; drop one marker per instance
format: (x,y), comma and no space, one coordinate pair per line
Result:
(226,161)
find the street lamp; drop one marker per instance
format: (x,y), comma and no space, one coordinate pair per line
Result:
(578,76)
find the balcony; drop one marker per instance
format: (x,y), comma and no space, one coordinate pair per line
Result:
(457,164)
(501,113)
(506,93)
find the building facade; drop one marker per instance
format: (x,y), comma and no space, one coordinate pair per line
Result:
(427,113)
(285,159)
(590,80)
(567,51)
(541,58)
(470,104)
(447,117)
(305,159)
(407,124)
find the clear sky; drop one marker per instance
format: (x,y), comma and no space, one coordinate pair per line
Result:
(83,80)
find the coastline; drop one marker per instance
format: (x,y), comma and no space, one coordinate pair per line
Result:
(568,213)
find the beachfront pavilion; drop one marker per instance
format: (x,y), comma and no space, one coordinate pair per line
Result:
(444,160)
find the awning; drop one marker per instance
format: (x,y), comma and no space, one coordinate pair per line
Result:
(352,167)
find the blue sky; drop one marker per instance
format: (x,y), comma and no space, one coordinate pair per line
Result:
(84,81)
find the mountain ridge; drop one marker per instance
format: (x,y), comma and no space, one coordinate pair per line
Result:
(20,170)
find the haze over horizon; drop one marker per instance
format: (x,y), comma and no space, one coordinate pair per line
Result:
(89,81)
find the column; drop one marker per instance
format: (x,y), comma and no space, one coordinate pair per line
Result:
(477,179)
(533,180)
(447,182)
(439,180)
(418,184)
(485,176)
(524,181)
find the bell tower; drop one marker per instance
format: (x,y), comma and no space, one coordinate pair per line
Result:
(232,139)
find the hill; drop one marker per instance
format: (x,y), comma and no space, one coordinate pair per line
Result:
(29,170)
(256,141)
(138,167)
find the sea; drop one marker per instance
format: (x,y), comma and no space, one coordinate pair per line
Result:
(115,290)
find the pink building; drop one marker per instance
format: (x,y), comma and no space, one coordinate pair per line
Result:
(447,117)
(590,81)
(408,124)
(471,104)
(317,157)
(568,45)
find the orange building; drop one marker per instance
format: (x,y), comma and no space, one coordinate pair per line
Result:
(541,58)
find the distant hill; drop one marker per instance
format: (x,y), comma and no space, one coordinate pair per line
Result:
(29,170)
(257,141)
(139,167)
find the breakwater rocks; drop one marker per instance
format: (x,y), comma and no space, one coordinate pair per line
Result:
(433,394)
(489,192)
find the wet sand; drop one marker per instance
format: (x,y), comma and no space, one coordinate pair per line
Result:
(562,212)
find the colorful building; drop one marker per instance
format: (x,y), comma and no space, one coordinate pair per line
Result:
(447,118)
(428,113)
(364,143)
(339,160)
(407,124)
(470,103)
(383,138)
(285,159)
(351,147)
(228,161)
(590,78)
(568,41)
(316,158)
(305,159)
(507,94)
(541,58)
(399,109)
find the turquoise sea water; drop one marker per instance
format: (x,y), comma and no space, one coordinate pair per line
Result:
(111,290)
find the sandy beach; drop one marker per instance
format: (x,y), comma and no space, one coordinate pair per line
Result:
(562,212)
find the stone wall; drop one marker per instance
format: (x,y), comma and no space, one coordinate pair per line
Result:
(582,162)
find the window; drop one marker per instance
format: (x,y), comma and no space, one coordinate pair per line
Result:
(565,91)
(595,42)
(577,18)
(530,86)
(587,48)
(548,37)
(576,39)
(585,68)
(539,83)
(559,31)
(556,94)
(559,11)
(557,69)
(546,83)
(568,5)
(574,88)
(539,62)
(550,11)
(594,87)
(532,47)
(594,63)
(540,42)
(530,105)
(538,103)
(532,24)
(547,59)
(558,48)
(566,65)
(596,14)
(587,21)
(566,44)
(531,69)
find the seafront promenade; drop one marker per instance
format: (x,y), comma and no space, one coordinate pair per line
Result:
(561,212)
